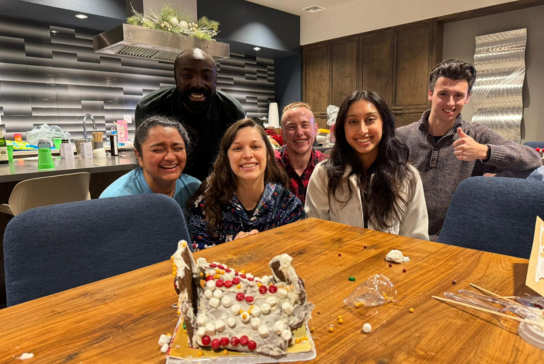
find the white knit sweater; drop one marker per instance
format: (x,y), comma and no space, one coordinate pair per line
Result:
(414,223)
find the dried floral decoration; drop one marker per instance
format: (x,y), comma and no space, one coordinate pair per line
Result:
(178,22)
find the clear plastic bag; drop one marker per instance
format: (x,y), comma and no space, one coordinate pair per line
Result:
(375,291)
(45,132)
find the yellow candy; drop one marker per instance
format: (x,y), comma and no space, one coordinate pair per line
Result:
(179,312)
(243,271)
(226,352)
(411,310)
(312,329)
(217,276)
(200,353)
(259,284)
(339,316)
(240,312)
(172,258)
(297,340)
(331,329)
(222,272)
(239,286)
(340,321)
(217,270)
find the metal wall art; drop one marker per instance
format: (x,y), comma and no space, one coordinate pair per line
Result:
(497,94)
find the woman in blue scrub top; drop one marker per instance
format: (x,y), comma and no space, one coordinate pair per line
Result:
(161,145)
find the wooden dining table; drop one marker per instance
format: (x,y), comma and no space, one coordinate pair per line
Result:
(120,319)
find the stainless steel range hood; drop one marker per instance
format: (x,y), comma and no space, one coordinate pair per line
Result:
(137,42)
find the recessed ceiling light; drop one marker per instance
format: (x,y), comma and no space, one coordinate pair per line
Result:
(54,31)
(81,16)
(257,48)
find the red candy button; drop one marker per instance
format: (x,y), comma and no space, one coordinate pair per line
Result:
(216,344)
(220,266)
(236,280)
(242,275)
(252,345)
(228,270)
(209,278)
(240,296)
(273,289)
(249,299)
(228,284)
(263,290)
(250,279)
(234,341)
(235,273)
(225,341)
(206,340)
(219,283)
(244,340)
(213,265)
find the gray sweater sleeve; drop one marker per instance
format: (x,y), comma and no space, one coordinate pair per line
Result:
(506,155)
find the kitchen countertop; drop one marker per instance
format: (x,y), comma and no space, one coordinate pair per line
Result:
(26,168)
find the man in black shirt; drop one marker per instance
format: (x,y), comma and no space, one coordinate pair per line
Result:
(194,101)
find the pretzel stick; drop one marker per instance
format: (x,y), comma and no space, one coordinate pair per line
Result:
(493,294)
(489,311)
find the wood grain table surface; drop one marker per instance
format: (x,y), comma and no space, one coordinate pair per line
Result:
(120,319)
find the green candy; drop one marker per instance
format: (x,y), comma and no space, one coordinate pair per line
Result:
(352,279)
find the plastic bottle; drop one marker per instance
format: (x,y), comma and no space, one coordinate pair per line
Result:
(3,149)
(114,147)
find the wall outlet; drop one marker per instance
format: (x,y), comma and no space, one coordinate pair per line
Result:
(128,118)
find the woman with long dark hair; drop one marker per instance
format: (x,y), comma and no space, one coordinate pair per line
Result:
(367,181)
(245,192)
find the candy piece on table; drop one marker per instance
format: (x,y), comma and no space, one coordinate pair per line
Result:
(367,328)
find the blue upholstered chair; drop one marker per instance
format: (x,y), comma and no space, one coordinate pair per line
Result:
(534,144)
(53,248)
(494,214)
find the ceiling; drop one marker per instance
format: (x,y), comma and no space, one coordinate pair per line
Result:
(296,6)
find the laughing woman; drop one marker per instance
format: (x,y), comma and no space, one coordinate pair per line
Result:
(245,192)
(367,181)
(161,148)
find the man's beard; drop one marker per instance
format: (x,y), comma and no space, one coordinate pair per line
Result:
(196,107)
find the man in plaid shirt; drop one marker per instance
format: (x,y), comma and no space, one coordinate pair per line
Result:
(298,158)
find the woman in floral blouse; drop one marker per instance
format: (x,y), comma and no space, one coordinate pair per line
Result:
(245,192)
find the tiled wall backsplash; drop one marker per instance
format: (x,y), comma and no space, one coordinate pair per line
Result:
(51,75)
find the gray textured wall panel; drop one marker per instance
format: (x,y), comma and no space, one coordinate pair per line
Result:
(497,94)
(56,78)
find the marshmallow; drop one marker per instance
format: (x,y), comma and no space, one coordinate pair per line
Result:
(286,335)
(210,284)
(235,309)
(263,331)
(164,339)
(265,308)
(282,293)
(201,331)
(255,323)
(231,322)
(219,326)
(214,302)
(278,328)
(210,329)
(367,328)
(272,301)
(208,294)
(218,293)
(287,307)
(255,311)
(201,319)
(226,301)
(164,349)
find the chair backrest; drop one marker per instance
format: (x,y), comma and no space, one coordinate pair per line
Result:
(494,214)
(534,144)
(43,191)
(53,248)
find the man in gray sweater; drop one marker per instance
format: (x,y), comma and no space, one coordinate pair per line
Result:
(446,149)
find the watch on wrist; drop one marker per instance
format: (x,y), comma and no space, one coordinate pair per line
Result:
(488,154)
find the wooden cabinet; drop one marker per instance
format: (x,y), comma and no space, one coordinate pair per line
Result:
(344,70)
(376,62)
(316,89)
(394,62)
